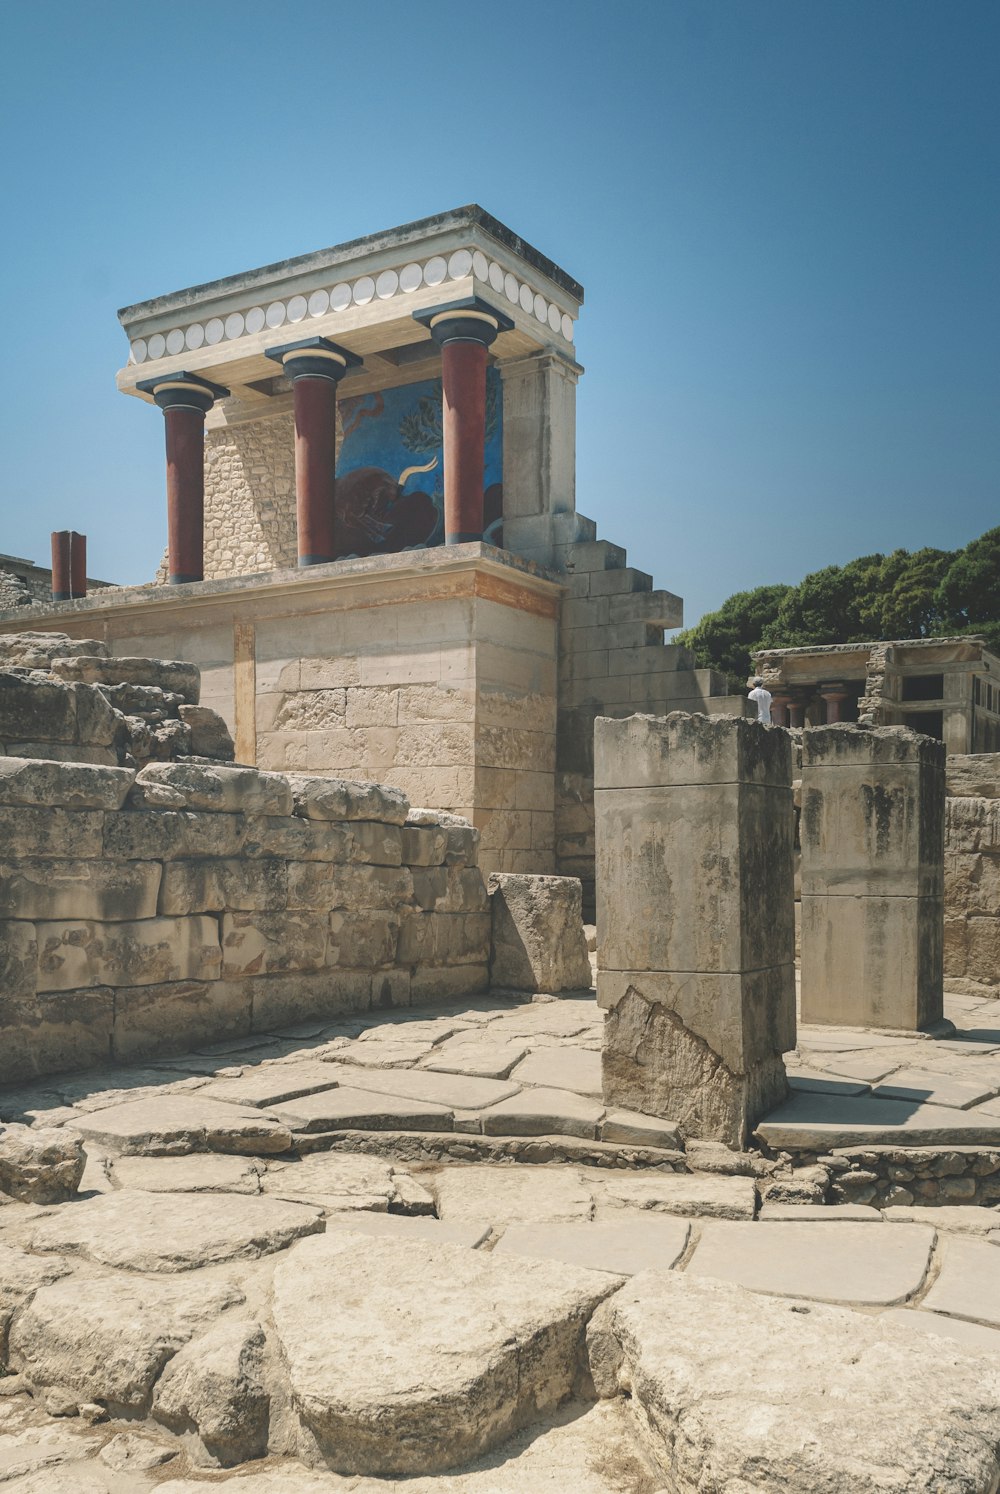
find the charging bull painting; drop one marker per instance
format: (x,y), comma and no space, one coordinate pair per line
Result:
(390,488)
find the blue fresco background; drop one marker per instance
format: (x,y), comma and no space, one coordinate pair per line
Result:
(398,428)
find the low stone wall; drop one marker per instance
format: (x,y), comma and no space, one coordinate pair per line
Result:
(972,895)
(896,1176)
(145,914)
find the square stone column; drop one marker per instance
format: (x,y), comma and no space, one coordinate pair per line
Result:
(872,834)
(695,918)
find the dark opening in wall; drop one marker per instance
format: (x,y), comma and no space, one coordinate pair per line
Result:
(923,687)
(931,723)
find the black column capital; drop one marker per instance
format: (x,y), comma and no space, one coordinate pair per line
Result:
(468,320)
(183,391)
(314,358)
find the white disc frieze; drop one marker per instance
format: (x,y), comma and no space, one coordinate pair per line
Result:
(387,285)
(194,336)
(364,290)
(541,308)
(234,325)
(175,340)
(340,297)
(319,303)
(459,264)
(255,319)
(157,345)
(410,277)
(276,314)
(480,265)
(510,287)
(567,327)
(214,330)
(555,320)
(297,307)
(526,297)
(496,276)
(139,350)
(435,270)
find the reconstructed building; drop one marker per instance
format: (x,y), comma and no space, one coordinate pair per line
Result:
(374,554)
(944,687)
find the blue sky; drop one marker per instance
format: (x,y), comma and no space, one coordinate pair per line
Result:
(785,214)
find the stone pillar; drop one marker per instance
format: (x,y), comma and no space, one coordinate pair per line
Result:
(796,711)
(185,399)
(539,453)
(464,330)
(315,367)
(779,708)
(695,918)
(834,697)
(69,565)
(872,836)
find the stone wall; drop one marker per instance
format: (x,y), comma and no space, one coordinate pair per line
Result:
(972,895)
(145,914)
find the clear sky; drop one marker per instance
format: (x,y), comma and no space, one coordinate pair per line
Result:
(785,214)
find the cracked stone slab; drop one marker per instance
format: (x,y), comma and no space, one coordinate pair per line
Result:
(737,1392)
(932,1088)
(382,1055)
(452,1091)
(640,1242)
(544,1112)
(558,1019)
(571,1068)
(819,1082)
(336,1180)
(702,1195)
(824,1213)
(411,1227)
(959,1219)
(518,1193)
(107,1339)
(809,1122)
(477,1060)
(199,1172)
(972,1336)
(349,1109)
(183,1123)
(273,1084)
(495,1343)
(632,1128)
(968,1285)
(853,1264)
(173,1231)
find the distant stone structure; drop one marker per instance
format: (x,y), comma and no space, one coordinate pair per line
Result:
(943,687)
(373,544)
(23,583)
(695,931)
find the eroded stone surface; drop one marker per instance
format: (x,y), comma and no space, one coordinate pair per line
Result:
(968,1285)
(471,1346)
(516,1194)
(639,1242)
(175,1124)
(736,1392)
(216,1383)
(41,1165)
(675,1193)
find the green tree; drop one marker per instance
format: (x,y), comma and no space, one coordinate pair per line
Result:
(723,639)
(968,595)
(825,607)
(903,603)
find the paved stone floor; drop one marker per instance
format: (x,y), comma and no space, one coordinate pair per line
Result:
(329,1219)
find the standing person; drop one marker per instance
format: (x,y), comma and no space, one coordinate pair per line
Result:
(762,699)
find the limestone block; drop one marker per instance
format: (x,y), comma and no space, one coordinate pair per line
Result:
(176,1016)
(972,949)
(310,710)
(872,811)
(304,994)
(218,885)
(377,843)
(18,965)
(345,799)
(258,943)
(495,1344)
(872,961)
(374,705)
(424,845)
(59,1033)
(27,781)
(463,845)
(310,884)
(167,834)
(298,839)
(974,775)
(28,650)
(174,1125)
(362,941)
(65,752)
(972,883)
(730,1389)
(972,824)
(210,736)
(216,1384)
(444,939)
(231,790)
(41,1165)
(76,954)
(538,943)
(357,887)
(35,709)
(173,675)
(452,889)
(108,891)
(444,983)
(37,831)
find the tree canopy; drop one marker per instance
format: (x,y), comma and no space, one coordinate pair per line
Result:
(907,594)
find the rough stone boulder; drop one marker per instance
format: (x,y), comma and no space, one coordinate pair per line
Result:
(215,1384)
(107,1339)
(345,799)
(538,938)
(230,790)
(173,676)
(27,650)
(34,781)
(174,1231)
(415,1357)
(42,1166)
(210,736)
(732,1392)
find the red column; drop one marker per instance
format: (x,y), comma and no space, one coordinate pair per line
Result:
(463,380)
(185,433)
(315,401)
(834,700)
(779,709)
(69,565)
(796,713)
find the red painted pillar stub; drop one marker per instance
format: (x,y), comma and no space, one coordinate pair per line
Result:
(185,399)
(69,565)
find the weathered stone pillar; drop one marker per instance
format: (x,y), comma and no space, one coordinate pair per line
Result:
(69,565)
(834,697)
(695,918)
(315,367)
(185,400)
(779,708)
(796,711)
(872,835)
(464,329)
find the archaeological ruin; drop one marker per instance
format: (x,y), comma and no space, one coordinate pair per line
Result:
(444,1038)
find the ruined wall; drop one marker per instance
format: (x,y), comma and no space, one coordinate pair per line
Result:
(144,914)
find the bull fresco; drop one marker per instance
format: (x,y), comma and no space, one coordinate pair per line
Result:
(390,478)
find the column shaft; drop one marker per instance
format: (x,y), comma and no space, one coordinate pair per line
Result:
(185,435)
(315,401)
(463,376)
(69,565)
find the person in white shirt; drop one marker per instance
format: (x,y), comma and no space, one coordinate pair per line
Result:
(762,699)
